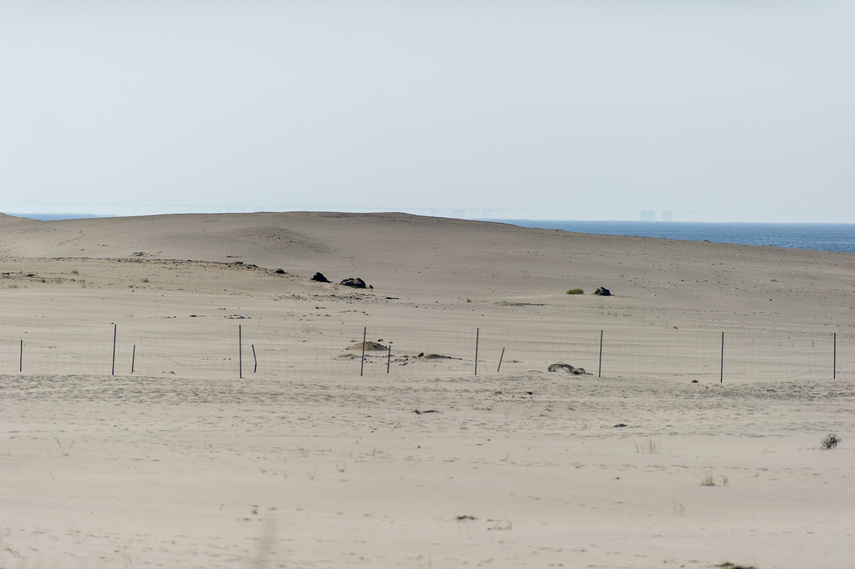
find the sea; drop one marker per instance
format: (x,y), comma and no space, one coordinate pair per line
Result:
(813,236)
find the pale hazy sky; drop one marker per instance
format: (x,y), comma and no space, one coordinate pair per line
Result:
(714,110)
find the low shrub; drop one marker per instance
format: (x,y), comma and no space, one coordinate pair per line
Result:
(830,441)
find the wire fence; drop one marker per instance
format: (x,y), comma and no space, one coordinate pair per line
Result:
(244,349)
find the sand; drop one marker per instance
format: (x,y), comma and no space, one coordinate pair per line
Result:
(320,459)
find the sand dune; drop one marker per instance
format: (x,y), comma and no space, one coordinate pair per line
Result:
(447,258)
(306,463)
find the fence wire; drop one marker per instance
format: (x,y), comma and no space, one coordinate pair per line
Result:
(229,349)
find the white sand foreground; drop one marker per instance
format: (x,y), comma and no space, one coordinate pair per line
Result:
(310,464)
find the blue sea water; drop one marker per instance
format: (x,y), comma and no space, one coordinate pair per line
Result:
(814,236)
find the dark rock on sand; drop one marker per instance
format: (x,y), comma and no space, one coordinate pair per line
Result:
(354,282)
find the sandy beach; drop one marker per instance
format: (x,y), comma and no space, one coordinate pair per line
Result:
(176,391)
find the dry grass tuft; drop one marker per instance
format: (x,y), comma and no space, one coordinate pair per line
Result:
(708,480)
(651,447)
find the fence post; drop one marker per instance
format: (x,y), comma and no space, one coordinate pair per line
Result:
(834,373)
(389,357)
(477,334)
(21,357)
(600,369)
(240,353)
(113,368)
(254,359)
(362,360)
(721,377)
(133,358)
(500,360)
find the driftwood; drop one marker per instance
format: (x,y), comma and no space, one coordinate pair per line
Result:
(560,366)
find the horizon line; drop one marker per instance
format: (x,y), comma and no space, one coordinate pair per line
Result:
(648,216)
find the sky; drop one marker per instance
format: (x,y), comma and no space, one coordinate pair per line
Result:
(717,110)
